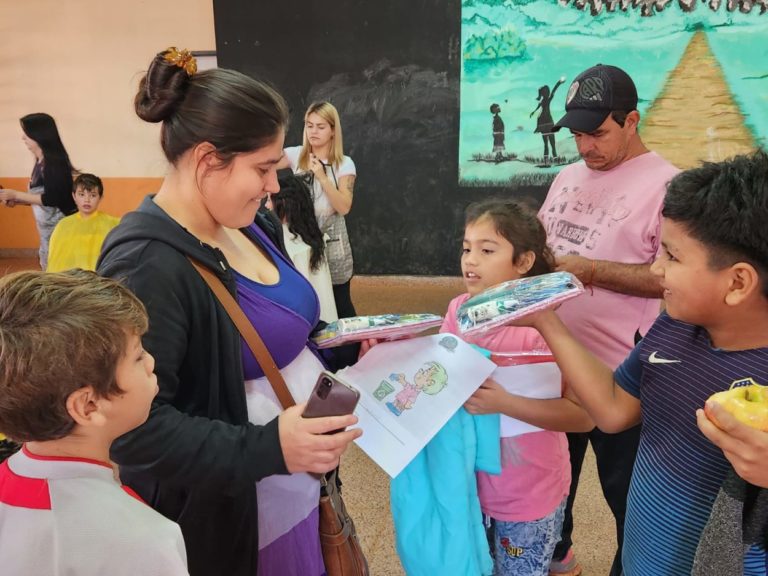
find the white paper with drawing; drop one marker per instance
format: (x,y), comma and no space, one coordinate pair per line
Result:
(408,391)
(541,380)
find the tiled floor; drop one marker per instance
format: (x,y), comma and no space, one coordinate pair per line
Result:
(366,486)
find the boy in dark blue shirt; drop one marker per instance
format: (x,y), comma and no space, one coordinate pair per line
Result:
(714,333)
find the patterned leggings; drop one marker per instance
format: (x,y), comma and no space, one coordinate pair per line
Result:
(524,548)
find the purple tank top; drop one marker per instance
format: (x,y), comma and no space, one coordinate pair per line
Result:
(283,314)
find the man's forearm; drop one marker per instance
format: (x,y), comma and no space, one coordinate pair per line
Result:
(631,279)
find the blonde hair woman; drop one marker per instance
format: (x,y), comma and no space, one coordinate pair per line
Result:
(322,154)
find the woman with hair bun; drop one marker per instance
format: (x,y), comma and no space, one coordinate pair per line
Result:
(217,443)
(50,186)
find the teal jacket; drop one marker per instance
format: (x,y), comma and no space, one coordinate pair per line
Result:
(435,507)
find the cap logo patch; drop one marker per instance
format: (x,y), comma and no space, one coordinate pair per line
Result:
(592,89)
(572,92)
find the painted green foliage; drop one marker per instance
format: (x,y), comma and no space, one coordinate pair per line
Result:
(504,43)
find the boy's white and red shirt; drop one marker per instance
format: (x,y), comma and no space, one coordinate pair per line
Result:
(70,516)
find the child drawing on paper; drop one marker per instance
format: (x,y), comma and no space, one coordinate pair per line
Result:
(430,379)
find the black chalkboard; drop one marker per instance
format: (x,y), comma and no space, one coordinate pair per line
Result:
(392,69)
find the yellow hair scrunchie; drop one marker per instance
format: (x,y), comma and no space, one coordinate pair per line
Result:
(181,58)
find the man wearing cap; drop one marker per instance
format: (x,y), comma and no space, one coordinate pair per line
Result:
(603,220)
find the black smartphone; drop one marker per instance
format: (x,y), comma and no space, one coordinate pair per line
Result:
(330,397)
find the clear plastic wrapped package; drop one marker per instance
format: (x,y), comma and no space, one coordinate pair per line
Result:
(508,301)
(382,327)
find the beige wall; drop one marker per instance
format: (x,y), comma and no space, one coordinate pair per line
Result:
(81,61)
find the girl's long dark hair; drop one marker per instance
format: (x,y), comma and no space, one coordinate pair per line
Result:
(293,205)
(57,169)
(520,226)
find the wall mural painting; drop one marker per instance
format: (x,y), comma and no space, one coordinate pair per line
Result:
(701,70)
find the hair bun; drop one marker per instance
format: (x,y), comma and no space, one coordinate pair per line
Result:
(162,89)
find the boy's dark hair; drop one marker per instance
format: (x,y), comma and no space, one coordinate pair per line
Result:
(59,332)
(88,182)
(293,204)
(520,226)
(724,206)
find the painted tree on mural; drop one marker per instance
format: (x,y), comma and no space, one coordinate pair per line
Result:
(650,7)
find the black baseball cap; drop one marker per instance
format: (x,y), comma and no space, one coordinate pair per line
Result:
(594,94)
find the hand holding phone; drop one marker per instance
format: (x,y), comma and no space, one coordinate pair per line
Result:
(314,444)
(330,397)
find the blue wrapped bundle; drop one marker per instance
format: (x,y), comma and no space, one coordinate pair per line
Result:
(501,304)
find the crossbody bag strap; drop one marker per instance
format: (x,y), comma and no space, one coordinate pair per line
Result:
(248,332)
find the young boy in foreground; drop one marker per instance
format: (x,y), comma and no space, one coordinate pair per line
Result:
(714,271)
(73,377)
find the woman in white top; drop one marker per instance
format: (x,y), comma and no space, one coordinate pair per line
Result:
(322,154)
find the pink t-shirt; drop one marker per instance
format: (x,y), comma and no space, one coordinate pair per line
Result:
(613,215)
(536,470)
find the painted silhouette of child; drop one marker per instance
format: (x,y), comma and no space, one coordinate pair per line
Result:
(544,122)
(498,131)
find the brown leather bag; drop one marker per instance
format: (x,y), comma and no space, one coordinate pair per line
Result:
(342,553)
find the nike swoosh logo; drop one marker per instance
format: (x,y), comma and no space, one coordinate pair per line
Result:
(653,359)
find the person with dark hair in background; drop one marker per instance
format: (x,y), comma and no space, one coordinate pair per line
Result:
(50,186)
(603,223)
(304,240)
(217,442)
(544,123)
